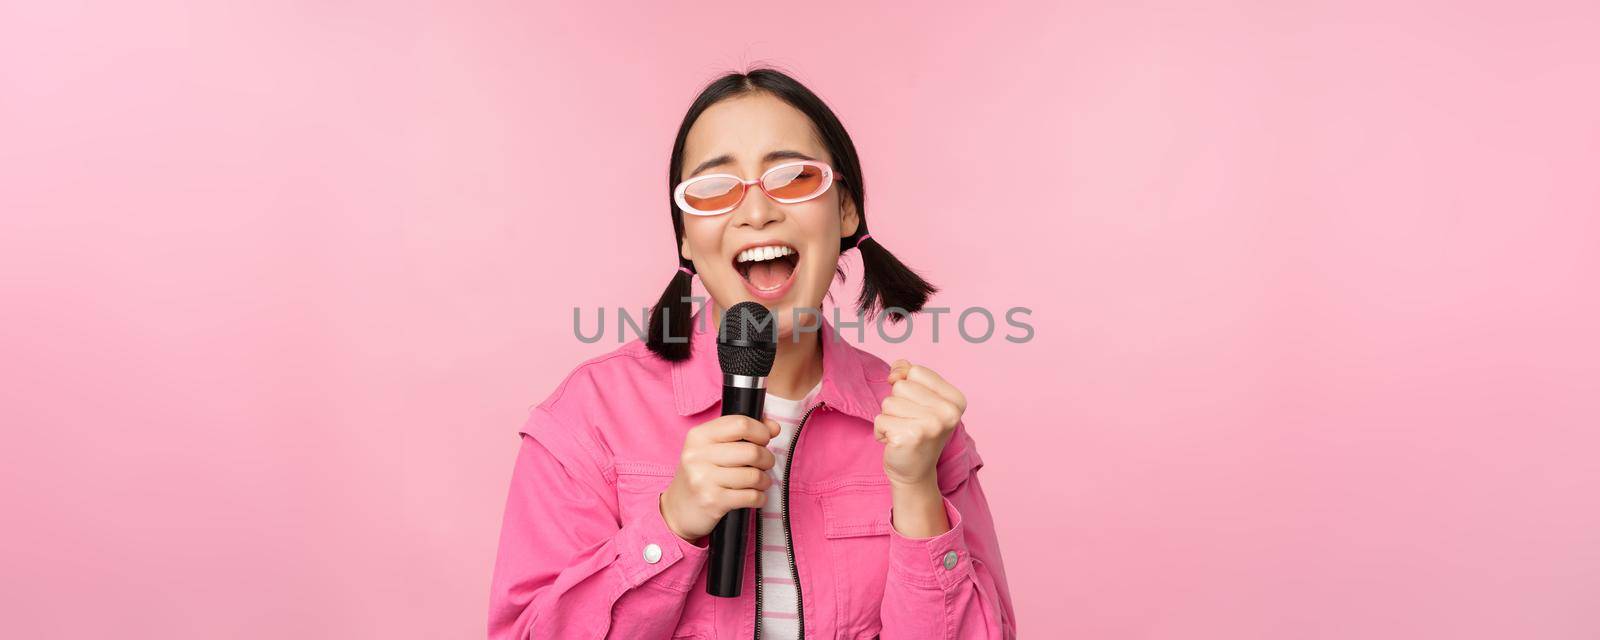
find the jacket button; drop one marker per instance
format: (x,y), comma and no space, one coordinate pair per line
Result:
(949,560)
(652,553)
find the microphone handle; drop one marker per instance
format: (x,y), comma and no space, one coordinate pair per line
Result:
(726,563)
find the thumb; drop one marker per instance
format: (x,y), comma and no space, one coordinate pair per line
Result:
(899,370)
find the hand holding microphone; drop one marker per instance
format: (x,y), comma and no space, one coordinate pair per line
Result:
(723,467)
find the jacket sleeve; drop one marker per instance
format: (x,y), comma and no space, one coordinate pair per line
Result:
(568,566)
(952,585)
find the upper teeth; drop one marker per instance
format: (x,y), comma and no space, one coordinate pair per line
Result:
(757,254)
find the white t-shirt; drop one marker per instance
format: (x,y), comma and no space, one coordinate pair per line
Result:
(779,604)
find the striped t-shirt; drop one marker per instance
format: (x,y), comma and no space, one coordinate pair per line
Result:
(779,606)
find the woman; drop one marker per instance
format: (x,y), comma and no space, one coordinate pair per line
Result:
(873,522)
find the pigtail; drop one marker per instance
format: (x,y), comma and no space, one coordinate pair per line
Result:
(670,317)
(888,283)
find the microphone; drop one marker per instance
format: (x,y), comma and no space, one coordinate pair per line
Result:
(747,343)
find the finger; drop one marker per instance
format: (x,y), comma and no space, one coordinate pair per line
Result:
(741,478)
(892,430)
(773,426)
(904,408)
(740,454)
(918,393)
(944,410)
(883,424)
(736,428)
(742,499)
(928,378)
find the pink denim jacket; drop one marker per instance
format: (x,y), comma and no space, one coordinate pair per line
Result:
(585,553)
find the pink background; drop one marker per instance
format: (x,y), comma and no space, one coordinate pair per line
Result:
(1313,285)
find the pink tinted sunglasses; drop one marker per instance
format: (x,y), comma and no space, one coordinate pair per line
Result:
(719,193)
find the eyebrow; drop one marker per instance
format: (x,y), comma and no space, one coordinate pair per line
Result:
(783,154)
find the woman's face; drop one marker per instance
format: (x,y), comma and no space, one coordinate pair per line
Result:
(750,134)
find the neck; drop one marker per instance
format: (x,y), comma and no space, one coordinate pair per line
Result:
(797,368)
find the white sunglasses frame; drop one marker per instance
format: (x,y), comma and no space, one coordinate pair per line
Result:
(744,189)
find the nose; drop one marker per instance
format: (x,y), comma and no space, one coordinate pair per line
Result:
(757,210)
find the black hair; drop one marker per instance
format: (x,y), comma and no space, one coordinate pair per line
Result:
(888,285)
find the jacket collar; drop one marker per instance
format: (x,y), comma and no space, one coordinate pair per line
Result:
(697,381)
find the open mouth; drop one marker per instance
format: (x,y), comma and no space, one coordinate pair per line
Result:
(767,269)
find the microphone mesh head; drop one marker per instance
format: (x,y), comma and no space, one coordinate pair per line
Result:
(747,343)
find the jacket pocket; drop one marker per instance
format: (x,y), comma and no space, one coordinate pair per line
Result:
(863,505)
(638,484)
(856,508)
